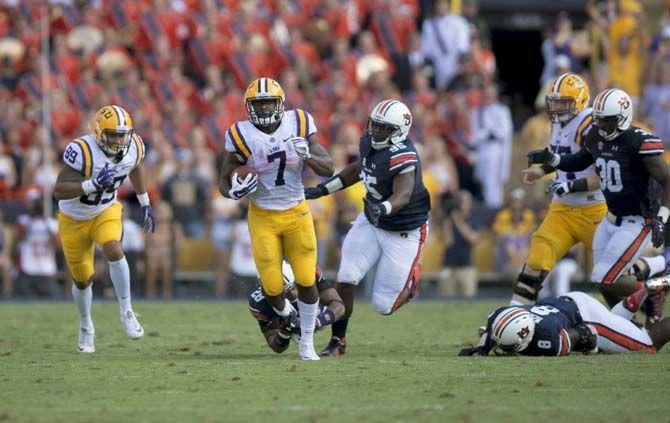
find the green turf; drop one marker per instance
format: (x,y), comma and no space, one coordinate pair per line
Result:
(207,362)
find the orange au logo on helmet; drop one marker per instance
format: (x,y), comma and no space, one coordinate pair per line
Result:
(408,118)
(523,333)
(625,104)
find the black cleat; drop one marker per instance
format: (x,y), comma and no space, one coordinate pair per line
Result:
(336,347)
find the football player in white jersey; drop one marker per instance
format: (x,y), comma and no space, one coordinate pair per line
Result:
(275,144)
(96,166)
(578,204)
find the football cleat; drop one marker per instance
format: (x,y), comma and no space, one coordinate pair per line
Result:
(306,350)
(86,338)
(653,305)
(134,329)
(336,347)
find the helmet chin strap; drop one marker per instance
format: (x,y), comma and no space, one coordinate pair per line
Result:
(609,137)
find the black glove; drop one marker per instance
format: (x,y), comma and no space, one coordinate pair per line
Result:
(587,338)
(472,351)
(657,231)
(375,210)
(540,157)
(316,192)
(291,323)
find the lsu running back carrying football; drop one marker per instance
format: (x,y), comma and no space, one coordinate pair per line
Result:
(95,167)
(276,144)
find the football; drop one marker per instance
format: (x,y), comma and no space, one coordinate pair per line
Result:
(243,171)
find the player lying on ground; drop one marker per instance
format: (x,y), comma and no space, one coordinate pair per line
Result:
(279,330)
(277,145)
(573,322)
(628,161)
(96,166)
(389,234)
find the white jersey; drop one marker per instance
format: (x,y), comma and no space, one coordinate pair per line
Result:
(37,254)
(569,139)
(274,158)
(86,157)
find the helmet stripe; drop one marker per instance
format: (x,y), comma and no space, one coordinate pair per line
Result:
(506,319)
(559,80)
(603,98)
(389,106)
(118,112)
(382,109)
(381,106)
(264,85)
(258,85)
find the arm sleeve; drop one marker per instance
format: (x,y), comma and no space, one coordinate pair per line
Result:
(575,162)
(402,160)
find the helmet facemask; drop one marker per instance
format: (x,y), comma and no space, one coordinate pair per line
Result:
(265,111)
(560,109)
(115,143)
(608,126)
(382,134)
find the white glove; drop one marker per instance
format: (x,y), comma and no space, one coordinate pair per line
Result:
(301,147)
(560,188)
(240,189)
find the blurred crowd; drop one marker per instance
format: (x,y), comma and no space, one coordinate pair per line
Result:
(180,68)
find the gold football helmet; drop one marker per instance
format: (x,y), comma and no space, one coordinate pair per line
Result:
(113,129)
(567,96)
(264,99)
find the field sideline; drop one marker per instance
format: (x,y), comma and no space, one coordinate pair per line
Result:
(206,361)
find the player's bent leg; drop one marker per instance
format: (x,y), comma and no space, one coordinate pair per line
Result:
(615,333)
(337,345)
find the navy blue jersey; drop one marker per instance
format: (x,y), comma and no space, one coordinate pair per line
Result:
(624,179)
(261,309)
(553,317)
(379,168)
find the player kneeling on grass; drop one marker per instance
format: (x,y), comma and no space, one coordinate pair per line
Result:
(278,330)
(573,322)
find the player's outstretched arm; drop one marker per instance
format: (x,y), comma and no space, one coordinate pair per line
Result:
(347,177)
(658,169)
(137,179)
(320,161)
(565,162)
(277,341)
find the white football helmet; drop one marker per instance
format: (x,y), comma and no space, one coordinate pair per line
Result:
(390,120)
(513,329)
(612,113)
(287,274)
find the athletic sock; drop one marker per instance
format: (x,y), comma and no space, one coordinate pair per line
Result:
(631,304)
(656,265)
(120,275)
(82,299)
(307,321)
(286,311)
(324,318)
(340,328)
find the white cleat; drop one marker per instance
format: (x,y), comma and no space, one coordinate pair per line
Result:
(659,283)
(86,338)
(134,329)
(307,352)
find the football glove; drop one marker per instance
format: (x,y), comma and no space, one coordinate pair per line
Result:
(472,351)
(375,210)
(540,157)
(560,188)
(316,192)
(657,231)
(301,147)
(239,189)
(148,219)
(105,178)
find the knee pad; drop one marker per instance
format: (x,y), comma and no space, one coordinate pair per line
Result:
(528,286)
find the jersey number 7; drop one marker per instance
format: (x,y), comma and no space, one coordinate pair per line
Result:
(281,155)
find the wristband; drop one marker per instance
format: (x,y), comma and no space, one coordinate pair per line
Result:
(143,199)
(663,213)
(387,207)
(555,161)
(579,185)
(547,169)
(334,184)
(88,187)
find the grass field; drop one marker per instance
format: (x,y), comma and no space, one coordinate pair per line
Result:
(207,361)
